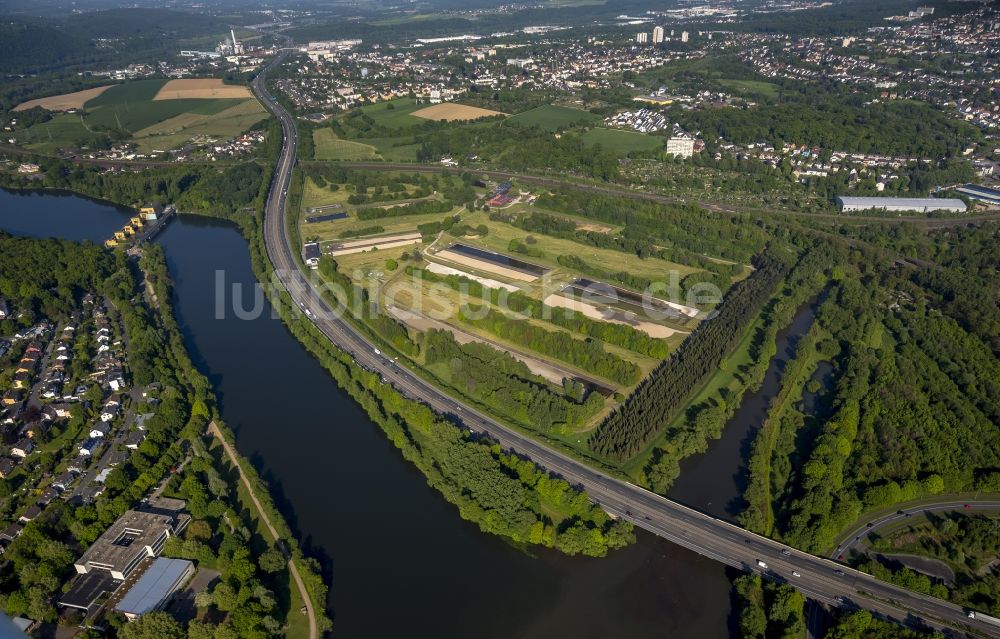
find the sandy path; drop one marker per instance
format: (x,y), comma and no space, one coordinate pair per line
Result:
(441,269)
(483,265)
(587,310)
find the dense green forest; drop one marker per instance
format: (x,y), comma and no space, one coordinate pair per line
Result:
(900,128)
(635,424)
(191,187)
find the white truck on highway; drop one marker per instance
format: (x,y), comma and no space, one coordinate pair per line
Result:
(978,616)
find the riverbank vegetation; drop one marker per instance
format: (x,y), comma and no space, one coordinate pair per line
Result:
(48,279)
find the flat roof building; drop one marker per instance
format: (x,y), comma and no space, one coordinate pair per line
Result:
(154,588)
(135,536)
(980,193)
(900,204)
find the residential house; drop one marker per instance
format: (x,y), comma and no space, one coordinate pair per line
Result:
(22,448)
(100,429)
(110,410)
(11,397)
(64,481)
(89,446)
(7,466)
(116,380)
(30,514)
(12,532)
(135,439)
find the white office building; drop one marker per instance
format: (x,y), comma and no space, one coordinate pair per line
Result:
(657,35)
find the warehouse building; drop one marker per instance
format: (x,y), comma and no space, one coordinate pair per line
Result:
(900,204)
(980,193)
(153,590)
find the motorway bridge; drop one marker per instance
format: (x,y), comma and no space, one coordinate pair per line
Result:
(818,578)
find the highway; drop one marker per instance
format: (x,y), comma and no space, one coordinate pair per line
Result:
(857,537)
(818,578)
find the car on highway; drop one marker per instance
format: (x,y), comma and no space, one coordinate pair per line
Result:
(840,573)
(762,564)
(795,573)
(786,552)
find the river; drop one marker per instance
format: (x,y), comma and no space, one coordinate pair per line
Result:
(714,481)
(400,560)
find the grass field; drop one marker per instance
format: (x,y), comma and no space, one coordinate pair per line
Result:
(179,129)
(401,149)
(62,130)
(136,116)
(550,117)
(622,141)
(135,91)
(330,147)
(396,117)
(753,87)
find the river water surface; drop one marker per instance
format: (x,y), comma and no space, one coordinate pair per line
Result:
(400,560)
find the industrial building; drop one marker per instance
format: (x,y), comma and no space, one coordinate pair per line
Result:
(980,193)
(155,587)
(900,204)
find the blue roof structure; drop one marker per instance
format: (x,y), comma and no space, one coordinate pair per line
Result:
(160,580)
(981,193)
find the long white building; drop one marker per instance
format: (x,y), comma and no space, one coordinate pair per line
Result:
(900,204)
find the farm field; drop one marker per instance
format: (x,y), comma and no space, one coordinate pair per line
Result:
(330,147)
(179,129)
(551,117)
(622,141)
(450,112)
(137,116)
(64,102)
(214,88)
(193,109)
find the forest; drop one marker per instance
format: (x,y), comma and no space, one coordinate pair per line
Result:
(504,384)
(899,128)
(632,426)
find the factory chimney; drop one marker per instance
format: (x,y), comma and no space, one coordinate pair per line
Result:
(233,33)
